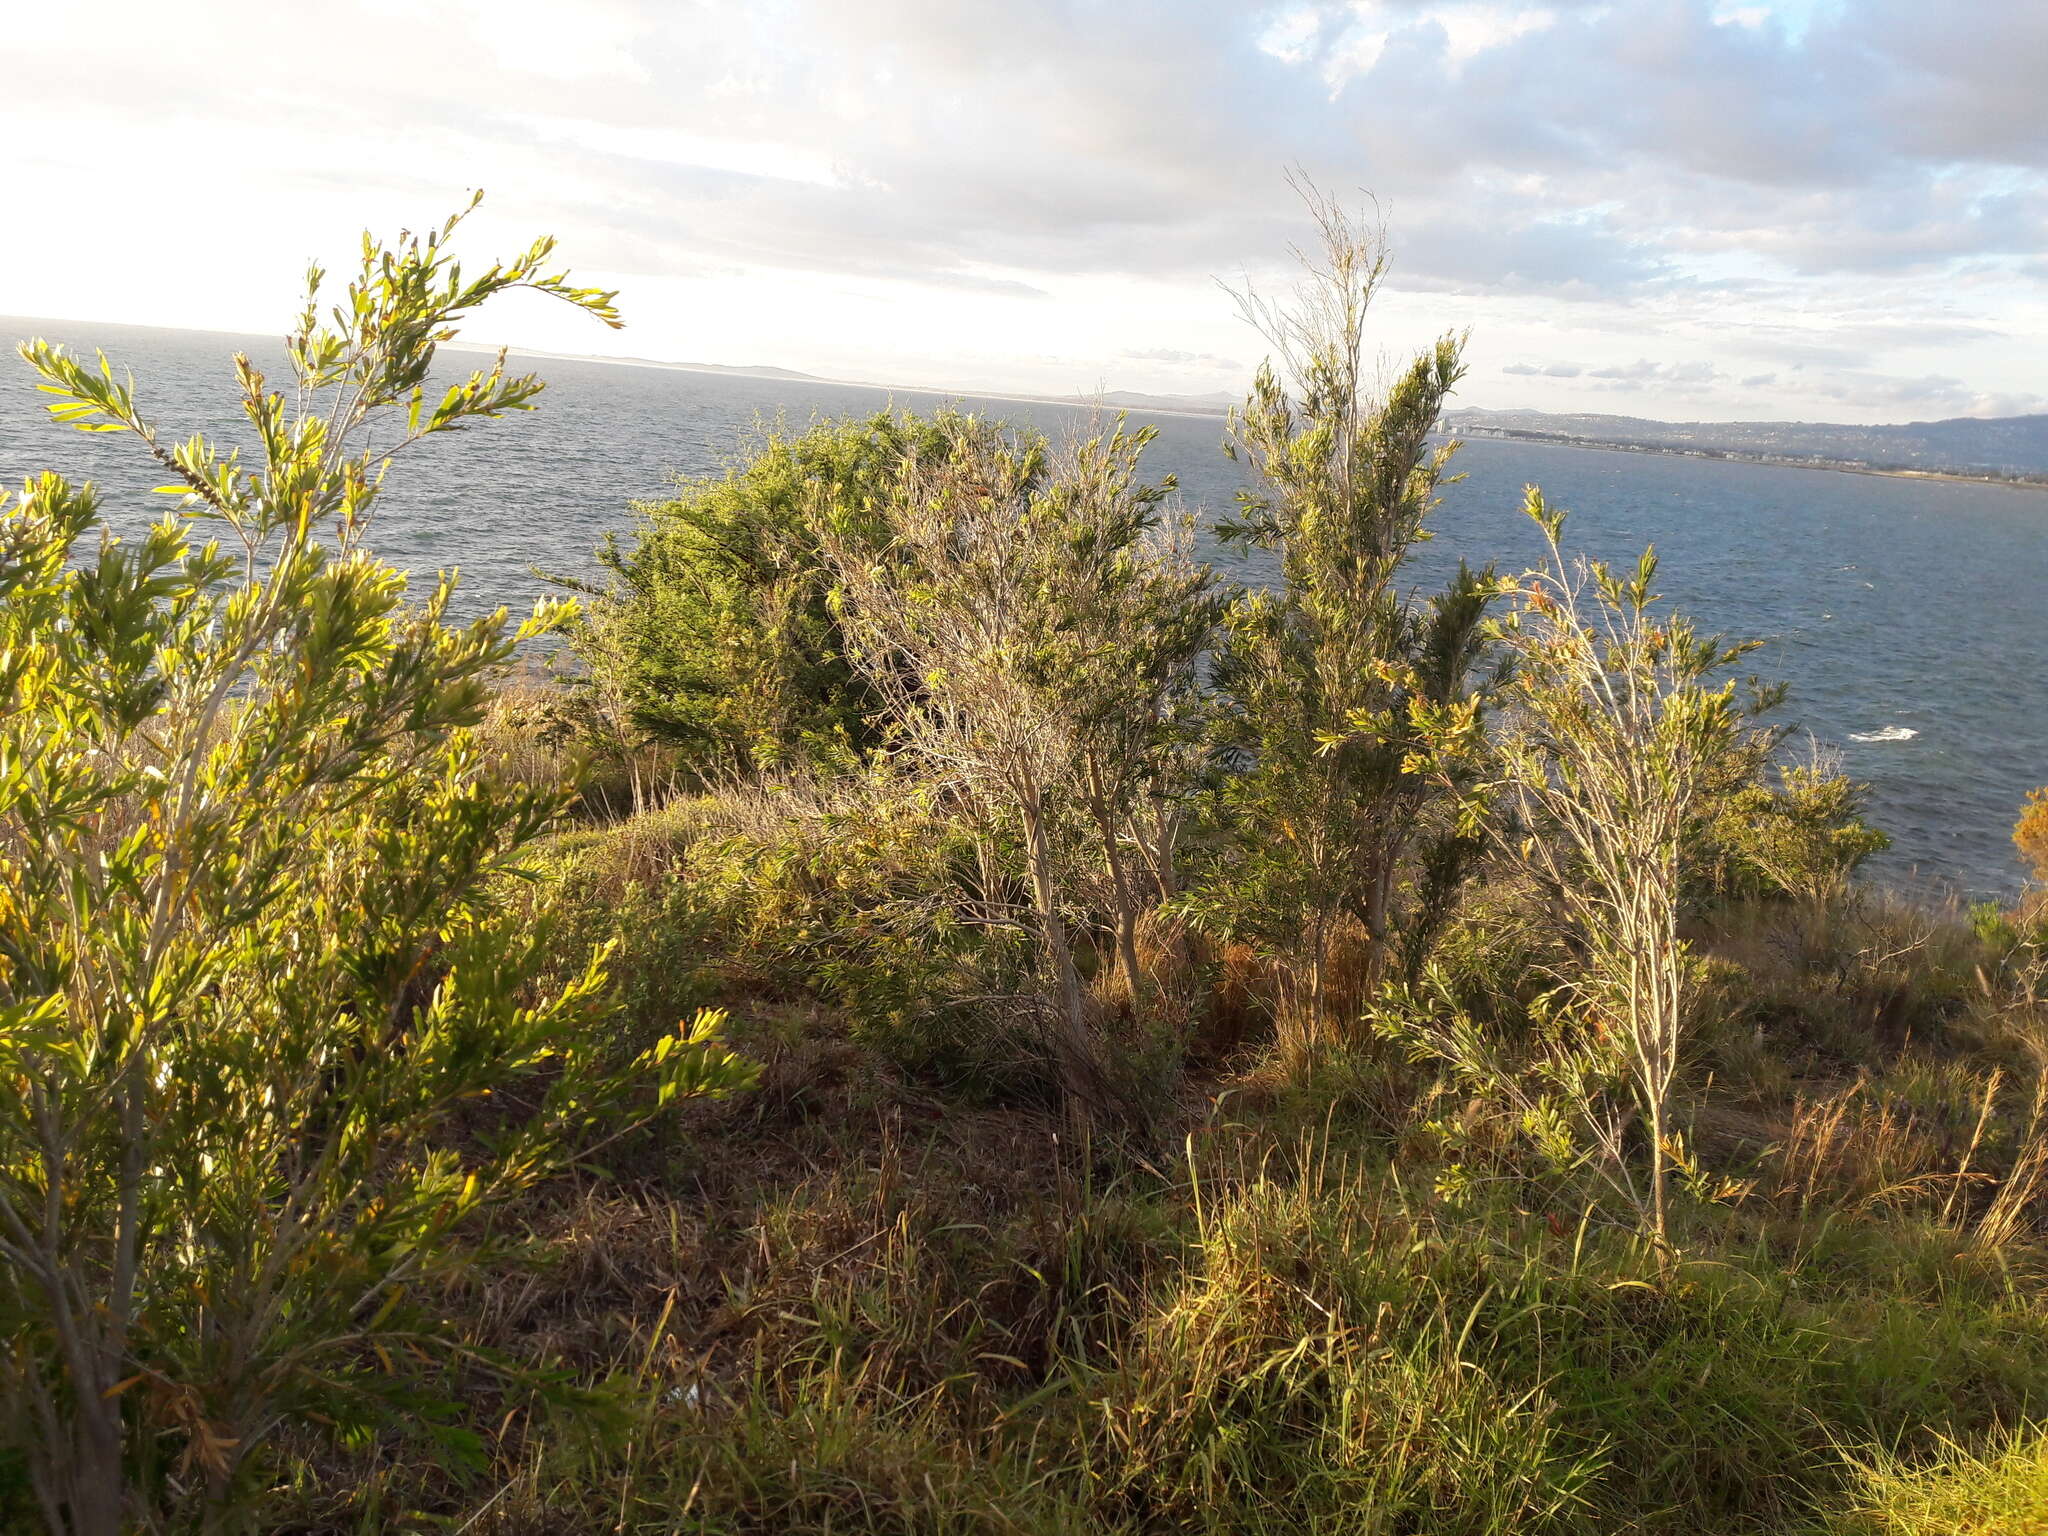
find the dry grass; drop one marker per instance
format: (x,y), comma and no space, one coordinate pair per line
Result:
(2000,1489)
(529,735)
(861,1301)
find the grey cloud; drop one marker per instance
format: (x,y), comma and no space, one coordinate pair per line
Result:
(1594,153)
(1643,371)
(1174,167)
(1926,396)
(1513,247)
(1544,370)
(1905,219)
(1957,84)
(1846,342)
(1621,155)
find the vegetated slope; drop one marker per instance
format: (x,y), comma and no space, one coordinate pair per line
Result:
(2016,445)
(886,1293)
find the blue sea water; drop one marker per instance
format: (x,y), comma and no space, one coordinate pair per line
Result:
(1906,616)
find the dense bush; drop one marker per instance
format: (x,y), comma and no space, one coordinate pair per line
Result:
(2030,834)
(859,891)
(716,632)
(1032,641)
(1321,682)
(1804,836)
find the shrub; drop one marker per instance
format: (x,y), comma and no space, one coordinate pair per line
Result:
(1029,640)
(1317,681)
(1805,837)
(2030,834)
(250,970)
(1613,732)
(716,633)
(869,892)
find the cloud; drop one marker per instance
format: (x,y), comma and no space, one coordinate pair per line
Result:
(1518,246)
(1516,145)
(1173,355)
(1930,395)
(1686,375)
(1856,185)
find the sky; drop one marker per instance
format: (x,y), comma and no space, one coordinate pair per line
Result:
(1692,209)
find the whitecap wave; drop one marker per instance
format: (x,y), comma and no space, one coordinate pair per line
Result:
(1887,733)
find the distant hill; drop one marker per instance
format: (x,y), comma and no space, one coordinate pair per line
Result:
(2009,447)
(744,370)
(750,370)
(1999,446)
(1215,403)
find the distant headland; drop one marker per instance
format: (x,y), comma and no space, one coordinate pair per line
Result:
(2009,450)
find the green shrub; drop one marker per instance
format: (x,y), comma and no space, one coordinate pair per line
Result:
(253,982)
(868,892)
(1321,683)
(1805,837)
(716,632)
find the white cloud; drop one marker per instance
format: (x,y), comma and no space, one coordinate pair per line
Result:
(1790,204)
(684,148)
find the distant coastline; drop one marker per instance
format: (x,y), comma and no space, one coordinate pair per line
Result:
(1217,405)
(1643,435)
(1458,424)
(1740,456)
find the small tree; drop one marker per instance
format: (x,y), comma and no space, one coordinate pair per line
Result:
(1318,680)
(1802,837)
(1137,612)
(991,622)
(250,967)
(1611,729)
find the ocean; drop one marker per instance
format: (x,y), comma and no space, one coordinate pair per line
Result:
(1905,616)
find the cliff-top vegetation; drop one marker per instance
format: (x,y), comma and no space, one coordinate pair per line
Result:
(931,1011)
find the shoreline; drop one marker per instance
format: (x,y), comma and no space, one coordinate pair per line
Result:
(1477,432)
(2036,484)
(789,376)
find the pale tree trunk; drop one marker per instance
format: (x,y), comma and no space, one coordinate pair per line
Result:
(1318,965)
(84,1497)
(1122,890)
(1384,853)
(1379,901)
(90,1489)
(1075,1046)
(1665,983)
(1160,848)
(1126,928)
(1157,843)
